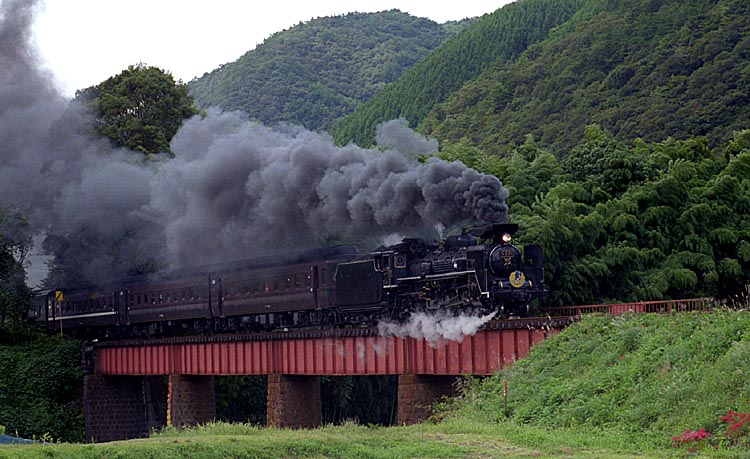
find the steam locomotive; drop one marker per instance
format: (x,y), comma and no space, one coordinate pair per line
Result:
(477,272)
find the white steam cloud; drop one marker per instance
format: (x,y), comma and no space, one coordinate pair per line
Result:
(435,328)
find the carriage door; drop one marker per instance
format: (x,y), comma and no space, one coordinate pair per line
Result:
(50,312)
(116,305)
(126,300)
(216,296)
(314,288)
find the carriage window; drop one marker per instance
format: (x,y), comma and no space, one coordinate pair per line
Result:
(266,288)
(276,283)
(256,286)
(297,281)
(323,276)
(308,280)
(287,282)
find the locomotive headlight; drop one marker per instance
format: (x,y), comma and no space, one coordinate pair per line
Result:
(507,238)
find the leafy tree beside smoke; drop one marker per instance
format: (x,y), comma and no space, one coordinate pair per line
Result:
(141,108)
(15,242)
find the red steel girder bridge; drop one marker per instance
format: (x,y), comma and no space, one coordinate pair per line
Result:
(126,394)
(351,351)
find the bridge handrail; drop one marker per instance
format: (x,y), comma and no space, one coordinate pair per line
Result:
(659,306)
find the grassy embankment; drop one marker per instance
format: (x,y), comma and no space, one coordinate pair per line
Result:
(605,388)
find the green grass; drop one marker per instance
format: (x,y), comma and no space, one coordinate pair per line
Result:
(604,388)
(627,383)
(450,439)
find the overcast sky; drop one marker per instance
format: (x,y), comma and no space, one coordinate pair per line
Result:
(85,42)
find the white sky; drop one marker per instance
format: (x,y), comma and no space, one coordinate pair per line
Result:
(84,42)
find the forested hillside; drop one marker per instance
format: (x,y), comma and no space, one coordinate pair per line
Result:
(318,71)
(496,38)
(640,69)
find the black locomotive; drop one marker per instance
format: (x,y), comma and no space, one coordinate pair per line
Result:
(477,272)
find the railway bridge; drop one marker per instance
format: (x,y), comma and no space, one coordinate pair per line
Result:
(134,386)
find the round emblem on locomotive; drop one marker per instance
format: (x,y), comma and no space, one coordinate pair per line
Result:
(517,279)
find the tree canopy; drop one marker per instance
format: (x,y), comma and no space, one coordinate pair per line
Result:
(499,37)
(649,221)
(15,243)
(140,109)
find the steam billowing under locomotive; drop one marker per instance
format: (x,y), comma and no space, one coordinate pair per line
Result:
(478,272)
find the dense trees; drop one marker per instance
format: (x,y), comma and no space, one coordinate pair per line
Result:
(141,108)
(649,221)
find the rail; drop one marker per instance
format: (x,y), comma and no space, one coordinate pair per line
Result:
(638,307)
(558,317)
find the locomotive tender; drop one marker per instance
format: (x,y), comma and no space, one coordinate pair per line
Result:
(478,272)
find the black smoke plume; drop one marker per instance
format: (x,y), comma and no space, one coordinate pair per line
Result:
(234,189)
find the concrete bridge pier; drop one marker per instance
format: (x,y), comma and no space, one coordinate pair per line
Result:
(417,393)
(293,401)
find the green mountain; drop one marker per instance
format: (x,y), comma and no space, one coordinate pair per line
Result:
(649,69)
(319,71)
(493,40)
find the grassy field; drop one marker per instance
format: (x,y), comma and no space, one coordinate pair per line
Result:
(608,387)
(450,439)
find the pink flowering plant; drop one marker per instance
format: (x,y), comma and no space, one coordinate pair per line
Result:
(692,440)
(736,434)
(737,427)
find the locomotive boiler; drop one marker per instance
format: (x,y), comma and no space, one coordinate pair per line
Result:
(477,272)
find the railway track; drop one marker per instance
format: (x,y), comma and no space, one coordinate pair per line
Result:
(554,318)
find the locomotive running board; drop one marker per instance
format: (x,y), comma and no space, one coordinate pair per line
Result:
(437,276)
(442,276)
